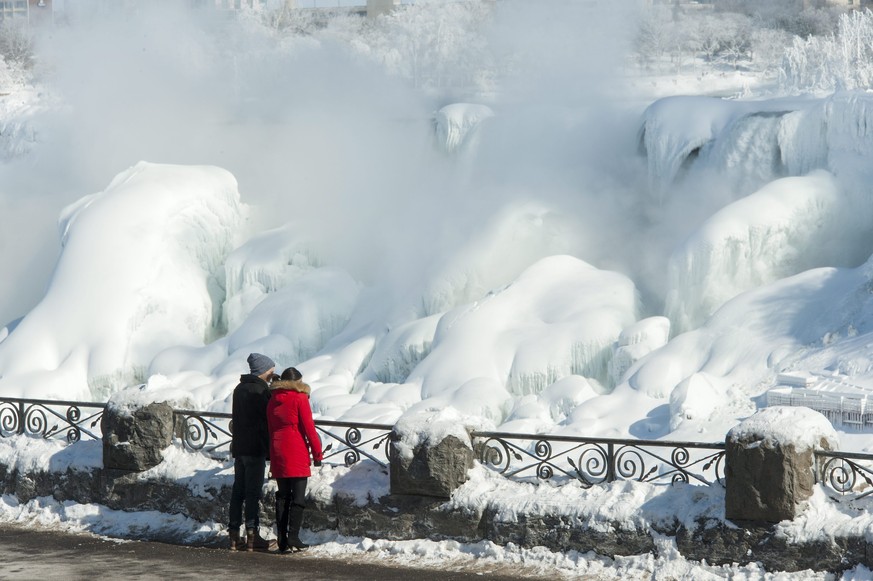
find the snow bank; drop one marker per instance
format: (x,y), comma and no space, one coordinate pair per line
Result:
(793,324)
(624,504)
(29,454)
(559,318)
(533,332)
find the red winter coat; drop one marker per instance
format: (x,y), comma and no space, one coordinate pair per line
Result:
(292,431)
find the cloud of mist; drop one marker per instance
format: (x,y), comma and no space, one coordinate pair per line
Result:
(322,136)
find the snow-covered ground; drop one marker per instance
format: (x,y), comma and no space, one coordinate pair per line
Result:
(507,229)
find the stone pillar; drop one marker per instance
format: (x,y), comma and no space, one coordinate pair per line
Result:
(429,456)
(770,463)
(134,436)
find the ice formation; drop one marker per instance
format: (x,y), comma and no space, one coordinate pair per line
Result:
(809,219)
(141,270)
(788,226)
(529,316)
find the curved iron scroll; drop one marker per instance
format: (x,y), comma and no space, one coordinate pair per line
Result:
(847,476)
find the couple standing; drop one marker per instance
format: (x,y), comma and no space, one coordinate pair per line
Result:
(271,420)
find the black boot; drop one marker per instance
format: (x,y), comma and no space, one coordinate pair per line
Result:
(295,520)
(282,513)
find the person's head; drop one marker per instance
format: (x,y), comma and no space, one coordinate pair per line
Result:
(261,365)
(291,374)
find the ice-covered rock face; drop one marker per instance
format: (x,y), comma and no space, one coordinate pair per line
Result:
(675,128)
(504,319)
(787,227)
(141,269)
(769,228)
(558,320)
(741,141)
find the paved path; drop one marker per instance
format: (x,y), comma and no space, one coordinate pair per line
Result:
(45,555)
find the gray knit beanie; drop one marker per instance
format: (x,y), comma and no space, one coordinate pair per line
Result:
(260,364)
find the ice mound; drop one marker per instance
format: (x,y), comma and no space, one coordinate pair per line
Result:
(141,269)
(560,317)
(786,227)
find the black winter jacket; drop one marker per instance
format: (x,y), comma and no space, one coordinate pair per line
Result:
(250,435)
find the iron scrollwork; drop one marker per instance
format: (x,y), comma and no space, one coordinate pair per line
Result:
(9,418)
(42,419)
(211,432)
(353,444)
(844,474)
(595,461)
(207,432)
(592,466)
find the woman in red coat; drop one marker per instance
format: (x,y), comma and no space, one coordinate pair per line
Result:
(292,437)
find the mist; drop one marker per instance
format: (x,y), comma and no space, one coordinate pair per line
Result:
(335,140)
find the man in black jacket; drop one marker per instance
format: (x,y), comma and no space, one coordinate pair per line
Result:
(250,447)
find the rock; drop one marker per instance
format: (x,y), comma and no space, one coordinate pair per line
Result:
(135,436)
(770,463)
(430,470)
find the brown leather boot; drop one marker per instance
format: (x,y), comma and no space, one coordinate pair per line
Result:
(236,543)
(254,542)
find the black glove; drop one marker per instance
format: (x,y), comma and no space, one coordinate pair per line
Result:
(316,463)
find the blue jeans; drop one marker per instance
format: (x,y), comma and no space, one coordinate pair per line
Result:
(248,483)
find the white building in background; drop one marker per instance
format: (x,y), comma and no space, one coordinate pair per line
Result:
(846,404)
(32,11)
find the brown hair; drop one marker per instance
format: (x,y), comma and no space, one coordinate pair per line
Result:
(291,374)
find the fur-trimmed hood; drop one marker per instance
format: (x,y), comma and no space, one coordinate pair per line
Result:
(296,385)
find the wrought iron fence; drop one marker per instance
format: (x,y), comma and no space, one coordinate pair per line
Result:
(207,432)
(519,456)
(51,419)
(342,442)
(848,476)
(594,461)
(372,441)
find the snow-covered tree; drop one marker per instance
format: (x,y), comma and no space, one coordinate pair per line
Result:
(843,60)
(16,44)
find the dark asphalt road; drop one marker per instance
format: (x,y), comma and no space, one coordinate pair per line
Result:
(45,555)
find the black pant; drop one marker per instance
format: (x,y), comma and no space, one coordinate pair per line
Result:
(248,483)
(290,502)
(291,490)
